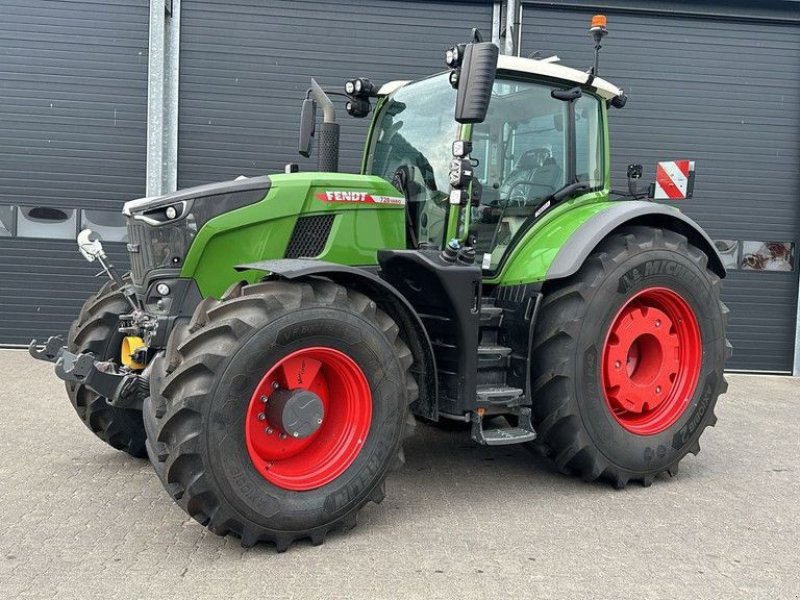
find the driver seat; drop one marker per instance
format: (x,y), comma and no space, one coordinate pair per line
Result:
(547,177)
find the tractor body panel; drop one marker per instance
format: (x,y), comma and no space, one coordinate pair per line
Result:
(358,215)
(557,245)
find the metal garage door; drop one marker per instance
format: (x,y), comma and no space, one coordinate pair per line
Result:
(73,77)
(246,64)
(726,94)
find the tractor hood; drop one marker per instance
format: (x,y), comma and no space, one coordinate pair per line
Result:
(202,202)
(162,229)
(338,217)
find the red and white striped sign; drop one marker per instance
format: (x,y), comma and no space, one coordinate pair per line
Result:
(674,180)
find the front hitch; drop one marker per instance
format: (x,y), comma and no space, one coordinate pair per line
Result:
(50,352)
(121,390)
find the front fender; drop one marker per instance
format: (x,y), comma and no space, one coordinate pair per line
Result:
(390,301)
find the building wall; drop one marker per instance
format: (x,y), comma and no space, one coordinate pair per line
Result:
(724,92)
(73,82)
(246,65)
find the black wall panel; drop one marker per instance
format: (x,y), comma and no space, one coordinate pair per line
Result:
(726,94)
(73,107)
(246,65)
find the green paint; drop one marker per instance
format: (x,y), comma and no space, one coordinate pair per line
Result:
(531,257)
(458,218)
(262,231)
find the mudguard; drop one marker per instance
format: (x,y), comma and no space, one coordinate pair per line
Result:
(586,238)
(388,298)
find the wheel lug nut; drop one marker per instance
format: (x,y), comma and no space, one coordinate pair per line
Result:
(295,434)
(658,322)
(658,389)
(264,399)
(283,436)
(617,365)
(275,385)
(262,416)
(319,421)
(268,430)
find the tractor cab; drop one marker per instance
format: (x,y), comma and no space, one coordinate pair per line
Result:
(532,143)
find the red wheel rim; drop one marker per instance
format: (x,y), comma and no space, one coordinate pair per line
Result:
(311,462)
(651,361)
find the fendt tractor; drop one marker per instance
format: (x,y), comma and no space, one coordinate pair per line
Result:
(277,337)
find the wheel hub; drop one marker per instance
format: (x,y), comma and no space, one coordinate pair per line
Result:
(643,356)
(297,413)
(651,361)
(308,418)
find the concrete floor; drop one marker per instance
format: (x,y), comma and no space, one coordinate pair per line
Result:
(79,520)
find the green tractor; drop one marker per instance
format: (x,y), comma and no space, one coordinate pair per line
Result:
(277,337)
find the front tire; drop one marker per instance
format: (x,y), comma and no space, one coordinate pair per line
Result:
(96,330)
(628,358)
(226,457)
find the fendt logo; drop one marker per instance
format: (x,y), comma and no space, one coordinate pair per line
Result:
(354,196)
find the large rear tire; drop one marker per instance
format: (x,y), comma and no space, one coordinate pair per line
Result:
(628,358)
(96,331)
(213,434)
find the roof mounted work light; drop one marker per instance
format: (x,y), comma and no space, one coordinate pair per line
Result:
(359,88)
(357,107)
(453,56)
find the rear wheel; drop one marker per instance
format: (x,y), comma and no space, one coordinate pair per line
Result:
(277,411)
(96,331)
(628,358)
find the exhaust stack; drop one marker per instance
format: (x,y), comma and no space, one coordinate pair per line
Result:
(328,134)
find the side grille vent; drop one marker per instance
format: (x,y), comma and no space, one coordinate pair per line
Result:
(310,236)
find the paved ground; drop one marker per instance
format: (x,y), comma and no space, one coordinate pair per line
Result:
(78,520)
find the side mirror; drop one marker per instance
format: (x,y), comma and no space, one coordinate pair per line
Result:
(308,118)
(475,81)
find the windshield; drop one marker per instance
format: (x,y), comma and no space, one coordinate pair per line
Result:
(416,130)
(520,153)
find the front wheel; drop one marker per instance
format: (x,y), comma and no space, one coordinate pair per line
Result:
(96,330)
(277,412)
(628,358)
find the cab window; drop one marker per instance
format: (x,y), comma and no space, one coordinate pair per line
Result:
(522,154)
(527,131)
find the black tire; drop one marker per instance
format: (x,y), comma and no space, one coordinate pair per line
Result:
(201,390)
(576,425)
(96,331)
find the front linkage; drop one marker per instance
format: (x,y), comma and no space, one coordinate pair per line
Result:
(124,387)
(120,389)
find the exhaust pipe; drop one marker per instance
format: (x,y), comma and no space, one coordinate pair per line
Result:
(328,134)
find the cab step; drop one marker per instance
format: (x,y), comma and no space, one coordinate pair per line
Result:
(498,394)
(507,436)
(504,436)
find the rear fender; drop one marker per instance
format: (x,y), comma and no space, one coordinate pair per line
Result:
(388,299)
(624,213)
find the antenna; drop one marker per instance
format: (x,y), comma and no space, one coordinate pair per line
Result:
(598,31)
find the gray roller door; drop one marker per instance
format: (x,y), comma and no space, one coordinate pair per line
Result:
(726,94)
(246,64)
(73,77)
